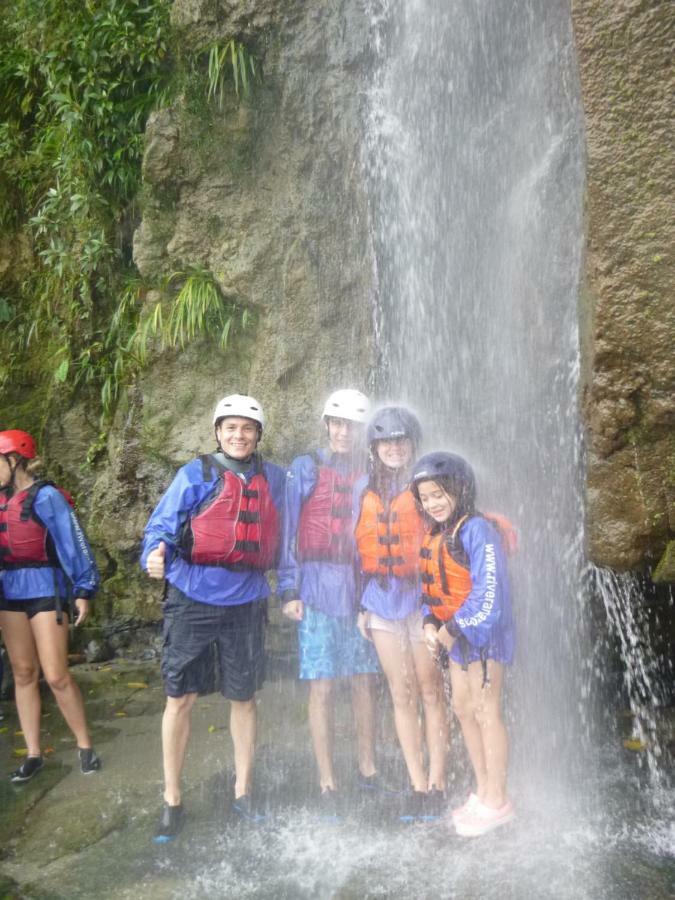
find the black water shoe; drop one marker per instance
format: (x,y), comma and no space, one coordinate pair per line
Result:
(244,809)
(329,805)
(420,807)
(89,761)
(29,767)
(171,821)
(375,784)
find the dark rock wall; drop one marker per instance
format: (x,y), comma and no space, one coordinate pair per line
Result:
(267,195)
(625,52)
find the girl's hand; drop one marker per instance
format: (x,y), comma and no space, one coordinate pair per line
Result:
(431,638)
(445,638)
(362,625)
(82,607)
(294,609)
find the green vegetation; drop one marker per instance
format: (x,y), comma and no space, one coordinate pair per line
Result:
(232,56)
(78,79)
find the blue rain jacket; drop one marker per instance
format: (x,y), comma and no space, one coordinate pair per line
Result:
(327,586)
(391,598)
(485,618)
(76,576)
(216,585)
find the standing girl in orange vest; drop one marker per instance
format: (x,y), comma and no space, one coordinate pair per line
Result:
(468,614)
(389,532)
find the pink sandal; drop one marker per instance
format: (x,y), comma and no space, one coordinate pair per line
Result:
(468,806)
(483,818)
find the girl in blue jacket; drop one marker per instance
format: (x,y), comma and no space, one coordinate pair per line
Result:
(45,560)
(468,615)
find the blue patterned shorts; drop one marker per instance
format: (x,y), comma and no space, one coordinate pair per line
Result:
(333,648)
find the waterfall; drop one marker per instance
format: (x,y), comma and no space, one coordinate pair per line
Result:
(474,157)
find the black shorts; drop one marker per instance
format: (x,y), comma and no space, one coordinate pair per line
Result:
(33,607)
(196,634)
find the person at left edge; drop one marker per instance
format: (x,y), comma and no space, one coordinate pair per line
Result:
(317,583)
(213,535)
(45,562)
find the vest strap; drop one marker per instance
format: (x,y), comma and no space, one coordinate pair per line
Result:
(248,516)
(390,561)
(247,546)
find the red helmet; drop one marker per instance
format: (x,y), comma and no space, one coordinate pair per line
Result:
(17,442)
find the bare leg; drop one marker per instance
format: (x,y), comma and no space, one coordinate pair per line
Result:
(51,640)
(487,703)
(430,681)
(175,735)
(322,726)
(397,662)
(26,670)
(463,708)
(363,706)
(243,725)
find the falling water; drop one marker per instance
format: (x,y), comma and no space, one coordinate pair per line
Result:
(476,162)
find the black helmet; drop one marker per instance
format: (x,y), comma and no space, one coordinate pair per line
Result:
(393,422)
(452,472)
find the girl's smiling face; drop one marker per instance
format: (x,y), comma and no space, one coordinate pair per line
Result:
(395,453)
(435,501)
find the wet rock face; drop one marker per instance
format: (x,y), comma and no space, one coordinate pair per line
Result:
(266,194)
(629,397)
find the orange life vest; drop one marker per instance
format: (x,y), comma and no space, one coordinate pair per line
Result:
(444,565)
(389,539)
(446,578)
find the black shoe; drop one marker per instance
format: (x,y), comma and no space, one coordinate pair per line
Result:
(31,766)
(89,761)
(434,806)
(412,807)
(171,821)
(328,806)
(243,808)
(374,784)
(420,807)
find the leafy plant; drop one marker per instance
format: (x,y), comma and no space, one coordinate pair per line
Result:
(234,58)
(78,79)
(171,319)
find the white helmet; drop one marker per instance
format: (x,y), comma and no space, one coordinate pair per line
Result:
(239,405)
(347,404)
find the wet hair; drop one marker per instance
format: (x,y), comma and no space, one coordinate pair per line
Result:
(33,466)
(462,491)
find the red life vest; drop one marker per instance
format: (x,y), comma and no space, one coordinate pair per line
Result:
(444,565)
(24,540)
(237,526)
(389,540)
(325,527)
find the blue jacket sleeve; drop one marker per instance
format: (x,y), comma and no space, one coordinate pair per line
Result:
(482,609)
(185,492)
(300,482)
(70,542)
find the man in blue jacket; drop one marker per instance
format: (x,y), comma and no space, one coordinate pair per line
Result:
(317,583)
(212,536)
